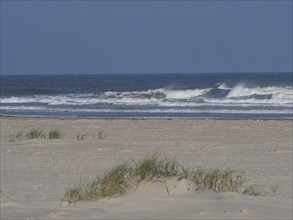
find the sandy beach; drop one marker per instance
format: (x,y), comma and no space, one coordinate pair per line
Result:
(35,173)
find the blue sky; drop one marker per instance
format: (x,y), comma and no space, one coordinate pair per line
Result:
(55,37)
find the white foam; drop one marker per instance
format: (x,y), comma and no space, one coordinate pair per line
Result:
(240,91)
(26,108)
(16,100)
(223,86)
(238,96)
(185,94)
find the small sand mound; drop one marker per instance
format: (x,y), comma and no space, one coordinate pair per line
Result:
(170,187)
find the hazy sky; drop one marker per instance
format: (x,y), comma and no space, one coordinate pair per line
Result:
(145,37)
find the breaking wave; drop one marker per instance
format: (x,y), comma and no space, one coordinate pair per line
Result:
(275,101)
(221,94)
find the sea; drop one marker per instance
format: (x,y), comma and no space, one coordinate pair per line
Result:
(224,96)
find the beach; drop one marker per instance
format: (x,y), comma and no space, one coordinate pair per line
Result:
(35,173)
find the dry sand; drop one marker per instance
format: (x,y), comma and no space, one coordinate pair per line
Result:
(35,173)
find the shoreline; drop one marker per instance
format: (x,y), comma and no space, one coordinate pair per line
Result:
(145,118)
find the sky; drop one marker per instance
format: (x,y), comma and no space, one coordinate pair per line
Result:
(86,37)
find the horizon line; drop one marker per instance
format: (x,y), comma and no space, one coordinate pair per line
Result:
(149,73)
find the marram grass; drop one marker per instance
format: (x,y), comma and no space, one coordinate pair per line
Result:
(35,134)
(19,136)
(55,134)
(153,166)
(113,183)
(219,180)
(83,136)
(128,175)
(74,194)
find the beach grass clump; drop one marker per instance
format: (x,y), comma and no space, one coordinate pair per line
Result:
(32,134)
(251,190)
(19,136)
(55,134)
(81,137)
(73,194)
(113,183)
(101,135)
(153,166)
(219,180)
(129,175)
(91,190)
(79,192)
(148,167)
(274,189)
(184,172)
(116,181)
(35,134)
(170,168)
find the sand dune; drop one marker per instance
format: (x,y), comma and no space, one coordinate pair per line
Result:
(35,173)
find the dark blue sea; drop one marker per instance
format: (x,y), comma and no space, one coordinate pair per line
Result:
(193,96)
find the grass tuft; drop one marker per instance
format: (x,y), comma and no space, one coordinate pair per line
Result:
(55,134)
(148,167)
(251,191)
(152,166)
(35,134)
(101,135)
(73,195)
(219,180)
(32,134)
(81,137)
(274,188)
(115,181)
(91,190)
(121,178)
(16,137)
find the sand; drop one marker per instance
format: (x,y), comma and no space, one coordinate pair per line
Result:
(35,173)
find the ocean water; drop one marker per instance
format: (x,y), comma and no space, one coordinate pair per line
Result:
(194,96)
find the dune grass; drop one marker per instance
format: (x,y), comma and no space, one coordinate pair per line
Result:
(113,183)
(219,180)
(32,134)
(74,194)
(251,190)
(35,134)
(153,166)
(19,136)
(129,175)
(101,135)
(83,136)
(55,134)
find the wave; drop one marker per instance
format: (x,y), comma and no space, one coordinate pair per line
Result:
(223,86)
(241,91)
(221,94)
